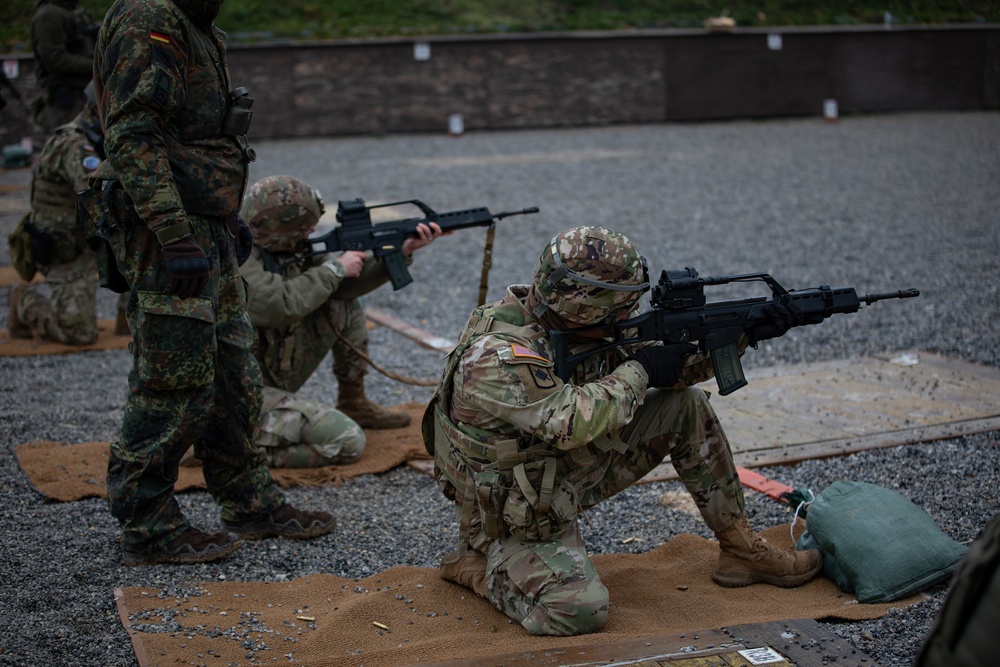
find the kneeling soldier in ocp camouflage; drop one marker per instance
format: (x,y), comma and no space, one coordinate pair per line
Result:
(64,308)
(522,453)
(305,308)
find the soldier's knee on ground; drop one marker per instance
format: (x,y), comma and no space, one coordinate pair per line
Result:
(576,608)
(336,436)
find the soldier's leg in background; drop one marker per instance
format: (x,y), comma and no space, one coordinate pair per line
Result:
(63,309)
(347,317)
(349,368)
(550,588)
(236,473)
(295,432)
(74,301)
(170,395)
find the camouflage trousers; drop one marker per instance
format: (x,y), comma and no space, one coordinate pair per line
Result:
(68,312)
(194,381)
(551,587)
(296,432)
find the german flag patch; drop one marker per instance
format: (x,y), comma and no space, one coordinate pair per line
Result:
(159,37)
(521,352)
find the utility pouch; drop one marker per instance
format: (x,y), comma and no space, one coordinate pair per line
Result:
(236,124)
(492,493)
(98,231)
(22,252)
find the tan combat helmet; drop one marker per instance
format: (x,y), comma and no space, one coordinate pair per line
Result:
(589,274)
(281,211)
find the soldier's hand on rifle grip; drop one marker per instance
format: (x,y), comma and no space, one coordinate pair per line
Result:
(350,262)
(187,267)
(663,363)
(781,318)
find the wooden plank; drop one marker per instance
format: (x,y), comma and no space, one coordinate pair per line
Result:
(796,643)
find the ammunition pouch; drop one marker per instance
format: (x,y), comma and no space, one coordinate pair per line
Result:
(101,221)
(493,480)
(30,248)
(236,124)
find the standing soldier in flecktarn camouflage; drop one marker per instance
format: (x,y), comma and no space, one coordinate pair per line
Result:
(304,309)
(172,183)
(62,39)
(68,313)
(522,453)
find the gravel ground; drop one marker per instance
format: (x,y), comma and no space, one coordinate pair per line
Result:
(879,203)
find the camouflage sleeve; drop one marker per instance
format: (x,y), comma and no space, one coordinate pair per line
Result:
(51,42)
(81,161)
(142,64)
(274,301)
(373,275)
(516,387)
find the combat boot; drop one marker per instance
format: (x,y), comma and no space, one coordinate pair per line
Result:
(16,327)
(191,546)
(286,521)
(468,569)
(351,400)
(747,558)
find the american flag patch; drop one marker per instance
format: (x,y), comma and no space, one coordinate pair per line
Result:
(521,352)
(159,37)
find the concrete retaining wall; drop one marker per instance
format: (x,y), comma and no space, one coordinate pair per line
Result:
(578,79)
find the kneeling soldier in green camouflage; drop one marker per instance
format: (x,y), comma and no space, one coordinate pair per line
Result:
(302,309)
(522,453)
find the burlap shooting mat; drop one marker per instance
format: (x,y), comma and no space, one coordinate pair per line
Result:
(32,347)
(64,472)
(408,615)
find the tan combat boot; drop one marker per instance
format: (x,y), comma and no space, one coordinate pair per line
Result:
(16,327)
(352,402)
(747,558)
(468,569)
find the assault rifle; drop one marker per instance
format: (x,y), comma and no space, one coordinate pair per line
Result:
(385,240)
(680,314)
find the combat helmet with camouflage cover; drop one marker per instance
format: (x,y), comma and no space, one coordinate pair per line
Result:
(281,211)
(587,274)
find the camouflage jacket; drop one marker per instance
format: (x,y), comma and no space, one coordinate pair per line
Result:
(162,85)
(63,168)
(64,53)
(289,310)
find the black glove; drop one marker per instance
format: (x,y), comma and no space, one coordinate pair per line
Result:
(663,363)
(239,231)
(781,318)
(187,265)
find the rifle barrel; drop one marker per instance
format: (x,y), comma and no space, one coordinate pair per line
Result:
(900,294)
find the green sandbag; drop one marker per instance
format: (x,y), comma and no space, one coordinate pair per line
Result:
(886,547)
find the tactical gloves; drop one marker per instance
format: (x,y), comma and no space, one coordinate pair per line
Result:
(781,318)
(187,266)
(663,363)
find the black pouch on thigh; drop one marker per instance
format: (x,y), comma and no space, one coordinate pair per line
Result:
(175,342)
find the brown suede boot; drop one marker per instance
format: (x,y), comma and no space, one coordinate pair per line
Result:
(15,326)
(468,569)
(351,400)
(747,558)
